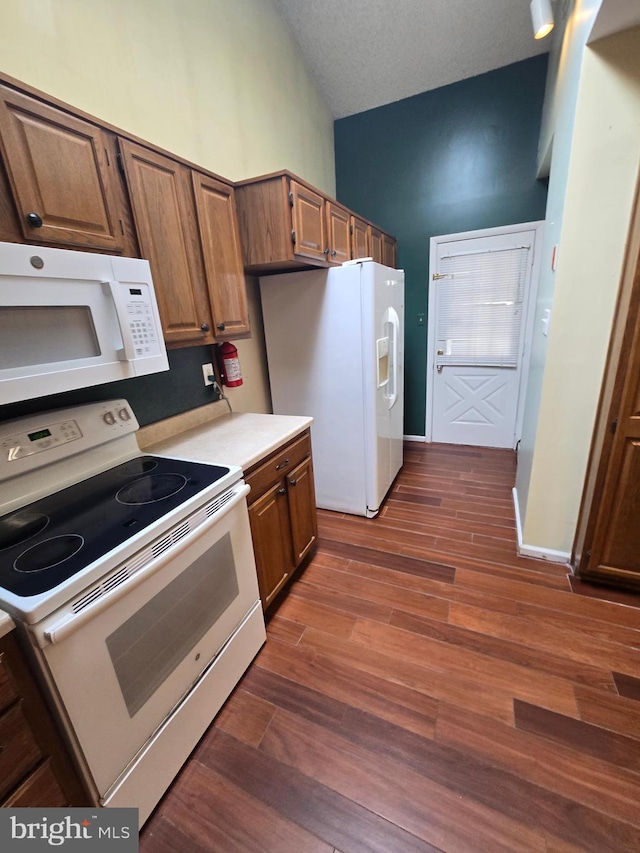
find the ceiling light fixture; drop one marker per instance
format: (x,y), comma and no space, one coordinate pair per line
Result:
(542,18)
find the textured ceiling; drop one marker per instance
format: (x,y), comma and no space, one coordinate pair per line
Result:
(365,53)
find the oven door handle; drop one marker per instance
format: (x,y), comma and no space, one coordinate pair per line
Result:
(70,622)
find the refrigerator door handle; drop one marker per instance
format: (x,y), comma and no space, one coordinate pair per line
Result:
(392,319)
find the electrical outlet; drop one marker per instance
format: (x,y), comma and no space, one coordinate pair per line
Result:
(207,371)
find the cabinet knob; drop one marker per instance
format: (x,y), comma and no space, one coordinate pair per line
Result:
(293,482)
(334,253)
(34,220)
(220,327)
(282,491)
(205,327)
(326,251)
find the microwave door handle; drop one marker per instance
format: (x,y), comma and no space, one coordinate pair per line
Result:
(128,351)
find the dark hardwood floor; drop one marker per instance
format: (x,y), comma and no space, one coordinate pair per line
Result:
(423,688)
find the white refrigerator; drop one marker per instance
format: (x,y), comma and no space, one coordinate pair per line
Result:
(335,349)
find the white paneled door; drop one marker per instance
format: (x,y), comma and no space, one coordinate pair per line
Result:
(478,304)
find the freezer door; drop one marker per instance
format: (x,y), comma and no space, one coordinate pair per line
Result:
(382,291)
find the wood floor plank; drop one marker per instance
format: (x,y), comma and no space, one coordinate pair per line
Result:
(285,630)
(304,800)
(432,682)
(609,746)
(381,594)
(575,646)
(245,716)
(316,615)
(505,676)
(613,712)
(222,816)
(627,685)
(596,629)
(515,651)
(482,782)
(378,783)
(387,699)
(563,769)
(422,568)
(552,599)
(437,589)
(162,836)
(339,600)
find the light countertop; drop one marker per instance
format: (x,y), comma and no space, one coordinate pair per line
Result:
(6,623)
(206,435)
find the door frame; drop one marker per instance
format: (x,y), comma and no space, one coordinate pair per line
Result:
(529,319)
(619,357)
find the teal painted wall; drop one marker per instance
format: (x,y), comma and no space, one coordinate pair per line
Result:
(457,158)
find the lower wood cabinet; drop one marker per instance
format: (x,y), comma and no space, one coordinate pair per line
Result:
(282,513)
(35,768)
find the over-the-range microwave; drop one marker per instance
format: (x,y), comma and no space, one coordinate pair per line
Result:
(74,319)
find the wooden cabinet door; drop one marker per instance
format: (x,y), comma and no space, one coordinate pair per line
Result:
(375,244)
(302,509)
(164,212)
(388,251)
(60,173)
(308,221)
(219,235)
(359,238)
(613,554)
(338,228)
(271,533)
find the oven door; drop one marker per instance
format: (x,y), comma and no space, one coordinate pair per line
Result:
(122,664)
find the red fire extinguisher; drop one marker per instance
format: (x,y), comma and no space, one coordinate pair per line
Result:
(229,365)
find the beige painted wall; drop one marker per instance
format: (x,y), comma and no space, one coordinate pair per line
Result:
(219,82)
(601,179)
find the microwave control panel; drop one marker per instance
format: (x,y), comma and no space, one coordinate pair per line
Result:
(141,322)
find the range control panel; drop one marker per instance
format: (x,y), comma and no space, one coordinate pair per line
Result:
(28,443)
(55,435)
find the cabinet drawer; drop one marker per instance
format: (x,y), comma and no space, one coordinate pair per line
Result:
(8,692)
(19,751)
(39,790)
(269,472)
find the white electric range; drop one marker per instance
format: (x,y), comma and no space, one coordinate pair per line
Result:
(132,580)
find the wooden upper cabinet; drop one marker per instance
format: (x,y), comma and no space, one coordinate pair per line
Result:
(359,238)
(219,235)
(375,244)
(338,232)
(309,234)
(388,251)
(285,224)
(164,212)
(60,173)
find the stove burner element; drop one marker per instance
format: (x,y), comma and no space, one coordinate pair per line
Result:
(47,554)
(135,467)
(17,528)
(150,489)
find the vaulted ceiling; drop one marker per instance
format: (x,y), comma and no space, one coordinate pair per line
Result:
(365,53)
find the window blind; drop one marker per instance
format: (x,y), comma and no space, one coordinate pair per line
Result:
(480,307)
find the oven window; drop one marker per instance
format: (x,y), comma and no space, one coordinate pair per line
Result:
(147,647)
(51,332)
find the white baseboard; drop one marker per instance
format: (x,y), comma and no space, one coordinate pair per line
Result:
(414,438)
(533,550)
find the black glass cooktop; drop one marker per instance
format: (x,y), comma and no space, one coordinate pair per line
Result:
(48,541)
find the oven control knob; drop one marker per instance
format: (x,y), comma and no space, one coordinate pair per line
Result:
(124,415)
(109,418)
